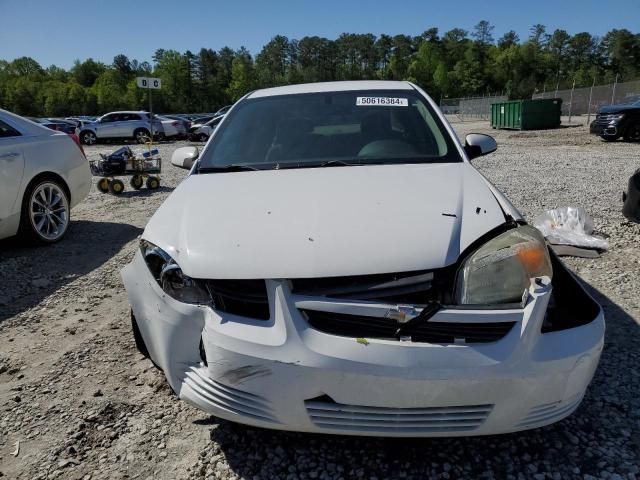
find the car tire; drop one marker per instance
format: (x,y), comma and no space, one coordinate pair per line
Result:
(141,135)
(139,341)
(633,133)
(137,337)
(116,187)
(203,137)
(136,182)
(45,213)
(103,185)
(153,183)
(88,138)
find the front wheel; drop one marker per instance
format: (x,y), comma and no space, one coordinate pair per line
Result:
(141,135)
(203,137)
(88,138)
(633,133)
(45,212)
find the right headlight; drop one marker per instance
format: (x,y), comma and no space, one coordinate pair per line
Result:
(170,277)
(501,270)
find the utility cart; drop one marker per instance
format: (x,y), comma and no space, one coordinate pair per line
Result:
(125,163)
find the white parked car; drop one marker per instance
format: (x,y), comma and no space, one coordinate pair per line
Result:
(43,175)
(202,132)
(172,128)
(334,264)
(120,125)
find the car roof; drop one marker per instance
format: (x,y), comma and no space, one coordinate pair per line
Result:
(332,87)
(24,125)
(127,111)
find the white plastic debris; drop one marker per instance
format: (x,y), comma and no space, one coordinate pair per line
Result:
(569,226)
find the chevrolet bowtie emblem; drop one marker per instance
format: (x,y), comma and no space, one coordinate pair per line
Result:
(402,314)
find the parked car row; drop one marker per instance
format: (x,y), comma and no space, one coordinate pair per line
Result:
(135,125)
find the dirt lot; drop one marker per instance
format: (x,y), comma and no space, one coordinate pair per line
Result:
(83,403)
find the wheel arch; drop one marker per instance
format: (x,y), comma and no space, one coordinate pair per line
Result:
(47,176)
(141,129)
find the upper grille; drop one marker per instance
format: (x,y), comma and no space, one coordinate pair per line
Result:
(426,331)
(324,412)
(606,117)
(246,298)
(407,287)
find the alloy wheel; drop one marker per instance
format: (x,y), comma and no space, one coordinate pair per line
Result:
(142,137)
(49,211)
(89,138)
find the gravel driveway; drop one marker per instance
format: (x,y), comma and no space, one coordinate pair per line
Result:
(83,403)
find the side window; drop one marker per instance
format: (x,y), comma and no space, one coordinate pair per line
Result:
(133,116)
(107,119)
(6,131)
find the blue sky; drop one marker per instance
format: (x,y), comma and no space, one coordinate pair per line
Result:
(58,32)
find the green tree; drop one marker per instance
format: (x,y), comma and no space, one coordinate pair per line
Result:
(87,72)
(242,75)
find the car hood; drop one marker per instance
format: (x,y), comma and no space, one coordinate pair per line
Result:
(319,222)
(618,108)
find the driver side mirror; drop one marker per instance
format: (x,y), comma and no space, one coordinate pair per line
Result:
(478,144)
(185,157)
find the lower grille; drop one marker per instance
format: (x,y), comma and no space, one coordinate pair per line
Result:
(427,332)
(326,413)
(228,398)
(246,298)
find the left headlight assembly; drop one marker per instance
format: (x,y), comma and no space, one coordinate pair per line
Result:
(501,270)
(171,278)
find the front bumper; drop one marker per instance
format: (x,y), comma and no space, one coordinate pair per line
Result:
(605,129)
(282,374)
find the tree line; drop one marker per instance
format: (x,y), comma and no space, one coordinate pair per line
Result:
(456,63)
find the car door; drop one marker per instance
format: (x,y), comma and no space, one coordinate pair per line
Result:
(108,126)
(127,124)
(11,172)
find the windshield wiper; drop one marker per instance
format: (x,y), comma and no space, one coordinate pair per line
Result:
(228,168)
(338,163)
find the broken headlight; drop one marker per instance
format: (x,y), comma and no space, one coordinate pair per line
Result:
(170,277)
(500,271)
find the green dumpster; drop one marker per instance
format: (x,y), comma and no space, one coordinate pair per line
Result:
(527,114)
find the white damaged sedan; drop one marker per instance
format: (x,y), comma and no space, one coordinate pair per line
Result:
(334,264)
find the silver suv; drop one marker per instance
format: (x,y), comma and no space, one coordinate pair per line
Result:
(133,125)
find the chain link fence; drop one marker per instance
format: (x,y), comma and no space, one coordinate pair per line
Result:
(587,101)
(576,101)
(470,108)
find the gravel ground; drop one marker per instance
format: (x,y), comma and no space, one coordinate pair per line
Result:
(82,403)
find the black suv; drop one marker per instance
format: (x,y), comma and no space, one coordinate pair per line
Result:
(615,121)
